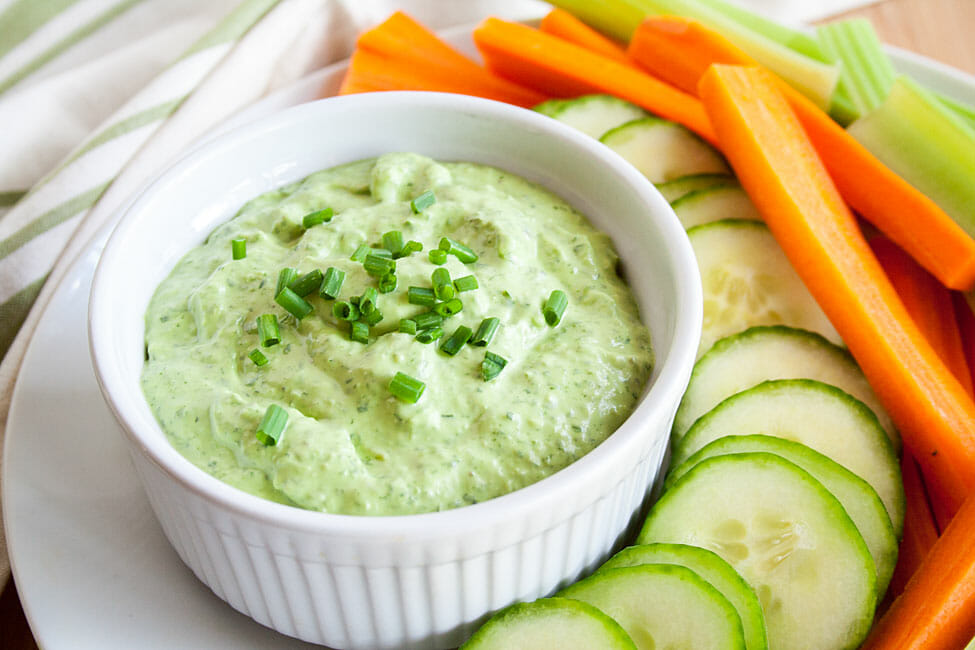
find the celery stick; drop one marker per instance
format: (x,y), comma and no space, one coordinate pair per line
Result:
(965,112)
(867,71)
(614,18)
(791,38)
(927,144)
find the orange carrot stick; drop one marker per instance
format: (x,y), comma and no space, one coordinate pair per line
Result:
(679,51)
(561,23)
(920,531)
(782,173)
(966,325)
(562,69)
(936,611)
(402,54)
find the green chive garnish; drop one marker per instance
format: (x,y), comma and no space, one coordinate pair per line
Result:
(332,283)
(367,301)
(360,253)
(258,357)
(410,247)
(387,283)
(443,287)
(381,252)
(267,330)
(456,341)
(372,317)
(448,307)
(378,265)
(317,218)
(437,256)
(359,332)
(422,202)
(308,283)
(429,335)
(421,296)
(286,276)
(466,283)
(293,303)
(458,250)
(344,310)
(407,326)
(238,248)
(393,242)
(272,426)
(492,365)
(485,331)
(427,319)
(554,307)
(406,388)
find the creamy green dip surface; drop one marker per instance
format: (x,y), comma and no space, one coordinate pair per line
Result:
(350,446)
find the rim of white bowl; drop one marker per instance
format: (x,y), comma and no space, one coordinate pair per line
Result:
(662,394)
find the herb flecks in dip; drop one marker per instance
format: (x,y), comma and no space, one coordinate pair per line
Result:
(350,446)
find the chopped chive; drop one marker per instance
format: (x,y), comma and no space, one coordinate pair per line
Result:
(381,252)
(359,332)
(410,247)
(238,248)
(407,326)
(344,310)
(406,388)
(443,287)
(429,335)
(267,330)
(485,331)
(258,357)
(492,365)
(354,300)
(393,242)
(372,317)
(293,303)
(437,256)
(378,266)
(317,218)
(308,283)
(422,202)
(427,319)
(367,301)
(272,425)
(286,276)
(332,283)
(360,253)
(466,283)
(554,307)
(387,283)
(458,250)
(457,340)
(448,307)
(421,296)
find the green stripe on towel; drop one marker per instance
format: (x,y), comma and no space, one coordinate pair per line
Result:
(51,218)
(10,198)
(235,25)
(14,312)
(24,17)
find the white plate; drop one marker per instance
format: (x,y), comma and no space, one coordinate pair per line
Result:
(92,566)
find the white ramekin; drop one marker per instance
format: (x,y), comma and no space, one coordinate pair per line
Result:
(425,580)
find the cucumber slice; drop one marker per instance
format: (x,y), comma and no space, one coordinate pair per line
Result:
(748,280)
(818,415)
(743,360)
(662,606)
(855,495)
(714,204)
(594,115)
(550,106)
(550,624)
(663,150)
(673,190)
(715,570)
(786,535)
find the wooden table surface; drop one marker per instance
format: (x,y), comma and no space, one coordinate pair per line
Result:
(939,29)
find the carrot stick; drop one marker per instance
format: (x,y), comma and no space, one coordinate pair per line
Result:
(401,54)
(561,23)
(966,325)
(920,531)
(679,51)
(936,611)
(782,173)
(562,69)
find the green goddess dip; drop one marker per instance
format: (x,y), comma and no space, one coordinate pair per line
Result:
(350,446)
